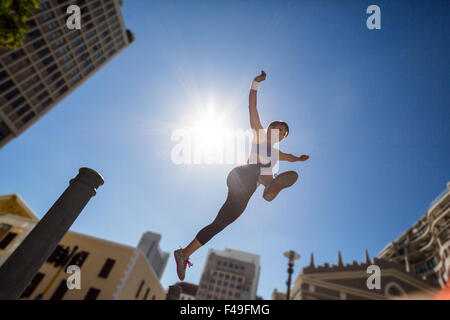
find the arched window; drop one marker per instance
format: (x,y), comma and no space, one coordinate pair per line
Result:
(393,290)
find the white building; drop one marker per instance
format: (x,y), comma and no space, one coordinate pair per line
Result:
(229,275)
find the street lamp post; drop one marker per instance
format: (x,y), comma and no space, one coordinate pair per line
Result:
(20,268)
(292,256)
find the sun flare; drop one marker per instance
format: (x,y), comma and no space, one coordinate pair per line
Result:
(210,128)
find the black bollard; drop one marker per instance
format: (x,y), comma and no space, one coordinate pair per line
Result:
(20,268)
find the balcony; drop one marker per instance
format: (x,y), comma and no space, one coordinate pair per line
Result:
(440,196)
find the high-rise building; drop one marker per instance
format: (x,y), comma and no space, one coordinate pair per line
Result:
(108,270)
(425,248)
(229,275)
(149,244)
(55,60)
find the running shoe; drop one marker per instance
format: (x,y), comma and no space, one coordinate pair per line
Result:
(281,181)
(182,262)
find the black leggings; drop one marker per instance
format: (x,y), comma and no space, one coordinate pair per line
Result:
(241,182)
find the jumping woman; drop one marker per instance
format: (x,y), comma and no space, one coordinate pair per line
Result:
(243,180)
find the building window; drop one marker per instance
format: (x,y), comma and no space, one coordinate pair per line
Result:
(55,76)
(12,94)
(74,34)
(16,55)
(62,51)
(47,16)
(66,58)
(55,34)
(47,61)
(34,34)
(31,23)
(51,69)
(92,294)
(146,294)
(87,62)
(81,49)
(32,286)
(431,263)
(4,227)
(139,289)
(59,42)
(60,291)
(22,110)
(107,268)
(3,75)
(76,79)
(5,86)
(420,268)
(393,290)
(46,103)
(7,240)
(89,69)
(62,90)
(79,258)
(51,25)
(43,6)
(38,44)
(4,131)
(43,52)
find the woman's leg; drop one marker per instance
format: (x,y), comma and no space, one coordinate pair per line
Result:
(265,179)
(191,248)
(230,211)
(233,207)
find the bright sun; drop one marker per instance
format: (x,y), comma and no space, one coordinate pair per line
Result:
(209,128)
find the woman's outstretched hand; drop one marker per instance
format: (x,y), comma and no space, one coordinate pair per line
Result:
(261,77)
(303,158)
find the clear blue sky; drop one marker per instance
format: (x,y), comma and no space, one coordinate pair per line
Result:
(371,108)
